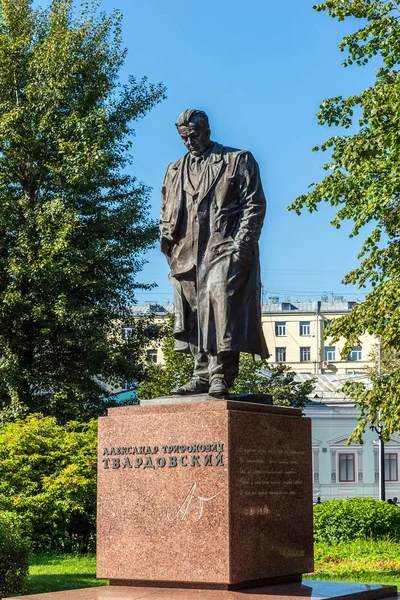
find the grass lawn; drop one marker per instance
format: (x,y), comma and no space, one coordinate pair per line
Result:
(56,572)
(363,561)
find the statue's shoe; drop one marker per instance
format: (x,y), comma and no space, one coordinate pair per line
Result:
(218,387)
(194,386)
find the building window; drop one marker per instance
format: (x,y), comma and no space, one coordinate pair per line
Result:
(355,354)
(151,355)
(280,354)
(128,385)
(152,329)
(346,467)
(391,471)
(127,333)
(330,353)
(280,328)
(305,328)
(305,354)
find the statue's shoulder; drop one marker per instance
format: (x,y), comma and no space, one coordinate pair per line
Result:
(228,151)
(234,153)
(175,165)
(235,156)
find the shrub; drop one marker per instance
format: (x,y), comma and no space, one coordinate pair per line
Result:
(354,518)
(48,478)
(14,556)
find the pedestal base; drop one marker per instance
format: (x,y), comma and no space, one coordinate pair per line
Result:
(317,590)
(247,585)
(204,493)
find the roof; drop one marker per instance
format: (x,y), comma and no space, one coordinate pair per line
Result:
(151,308)
(270,307)
(123,396)
(312,306)
(328,387)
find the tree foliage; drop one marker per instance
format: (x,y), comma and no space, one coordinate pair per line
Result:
(73,222)
(258,377)
(14,557)
(363,183)
(176,368)
(255,377)
(384,361)
(48,480)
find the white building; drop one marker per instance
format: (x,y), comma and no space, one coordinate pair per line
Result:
(341,470)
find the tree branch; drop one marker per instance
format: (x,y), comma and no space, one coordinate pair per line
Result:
(395,6)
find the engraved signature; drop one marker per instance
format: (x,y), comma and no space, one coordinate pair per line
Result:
(189,503)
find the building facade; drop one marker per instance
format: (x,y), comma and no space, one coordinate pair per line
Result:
(295,336)
(341,470)
(294,333)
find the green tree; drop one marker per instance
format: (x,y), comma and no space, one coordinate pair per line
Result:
(14,557)
(177,369)
(48,480)
(73,222)
(258,377)
(385,361)
(364,184)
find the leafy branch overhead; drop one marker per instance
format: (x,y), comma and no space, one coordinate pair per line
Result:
(73,220)
(363,178)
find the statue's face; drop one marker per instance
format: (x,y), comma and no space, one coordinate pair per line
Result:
(196,137)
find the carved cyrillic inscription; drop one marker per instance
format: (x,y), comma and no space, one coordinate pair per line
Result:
(164,456)
(269,472)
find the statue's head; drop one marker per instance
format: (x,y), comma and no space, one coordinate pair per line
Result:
(194,129)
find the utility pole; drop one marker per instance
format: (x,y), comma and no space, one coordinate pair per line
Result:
(378,428)
(317,348)
(381,464)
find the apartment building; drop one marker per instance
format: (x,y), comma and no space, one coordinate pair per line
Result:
(295,336)
(294,333)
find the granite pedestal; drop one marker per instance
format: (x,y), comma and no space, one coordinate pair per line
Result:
(204,493)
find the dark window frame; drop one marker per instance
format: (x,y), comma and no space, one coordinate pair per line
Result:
(350,458)
(391,456)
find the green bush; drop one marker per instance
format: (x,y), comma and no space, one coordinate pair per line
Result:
(354,518)
(48,479)
(14,556)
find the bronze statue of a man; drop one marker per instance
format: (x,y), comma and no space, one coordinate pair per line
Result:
(212,211)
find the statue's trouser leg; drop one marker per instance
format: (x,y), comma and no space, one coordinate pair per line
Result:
(224,365)
(201,366)
(189,299)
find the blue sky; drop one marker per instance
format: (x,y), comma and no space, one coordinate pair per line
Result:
(259,69)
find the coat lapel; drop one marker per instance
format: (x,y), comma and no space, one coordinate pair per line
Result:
(211,171)
(176,179)
(177,195)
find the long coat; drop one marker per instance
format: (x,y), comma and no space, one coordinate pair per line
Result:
(229,210)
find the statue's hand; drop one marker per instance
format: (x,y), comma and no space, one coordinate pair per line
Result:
(166,245)
(245,254)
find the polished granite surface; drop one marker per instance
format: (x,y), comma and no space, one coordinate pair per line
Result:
(318,590)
